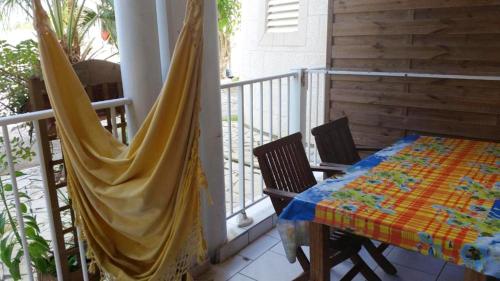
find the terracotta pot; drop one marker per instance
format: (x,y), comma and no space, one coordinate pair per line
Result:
(105,35)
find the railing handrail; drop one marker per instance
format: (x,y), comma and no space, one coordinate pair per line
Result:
(257,80)
(403,74)
(48,113)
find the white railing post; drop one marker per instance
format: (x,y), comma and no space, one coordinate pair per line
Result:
(83,255)
(230,148)
(17,202)
(243,219)
(114,128)
(298,103)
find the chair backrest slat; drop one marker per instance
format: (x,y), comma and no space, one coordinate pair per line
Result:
(335,143)
(293,177)
(284,164)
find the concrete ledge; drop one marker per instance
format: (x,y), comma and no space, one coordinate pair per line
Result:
(238,238)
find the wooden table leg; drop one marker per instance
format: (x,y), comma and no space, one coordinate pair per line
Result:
(471,275)
(319,235)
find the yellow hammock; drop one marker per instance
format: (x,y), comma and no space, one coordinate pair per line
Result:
(137,206)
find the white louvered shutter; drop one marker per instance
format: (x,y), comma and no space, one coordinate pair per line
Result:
(282,15)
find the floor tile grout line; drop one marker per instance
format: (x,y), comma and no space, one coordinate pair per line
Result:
(273,237)
(253,260)
(247,276)
(241,268)
(262,253)
(250,261)
(441,271)
(231,276)
(415,269)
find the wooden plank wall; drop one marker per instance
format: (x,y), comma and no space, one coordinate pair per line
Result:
(426,36)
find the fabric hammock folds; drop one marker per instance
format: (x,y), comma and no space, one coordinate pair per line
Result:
(137,205)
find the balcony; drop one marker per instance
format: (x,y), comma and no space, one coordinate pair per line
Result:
(254,112)
(393,67)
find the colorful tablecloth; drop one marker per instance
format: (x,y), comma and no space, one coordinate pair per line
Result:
(437,196)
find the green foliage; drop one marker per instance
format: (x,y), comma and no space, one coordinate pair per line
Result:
(11,251)
(8,6)
(232,118)
(17,64)
(20,151)
(71,20)
(103,15)
(229,16)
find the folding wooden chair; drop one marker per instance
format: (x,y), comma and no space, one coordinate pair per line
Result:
(336,146)
(286,172)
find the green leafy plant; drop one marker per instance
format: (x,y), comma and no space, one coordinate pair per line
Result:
(17,64)
(72,21)
(11,251)
(228,20)
(229,15)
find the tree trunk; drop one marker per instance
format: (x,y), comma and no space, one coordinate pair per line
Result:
(224,53)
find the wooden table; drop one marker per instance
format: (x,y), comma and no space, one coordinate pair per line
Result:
(449,184)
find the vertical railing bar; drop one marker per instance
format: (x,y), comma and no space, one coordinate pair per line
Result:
(270,110)
(19,214)
(279,108)
(261,130)
(43,169)
(317,116)
(241,149)
(288,105)
(251,143)
(114,128)
(230,156)
(308,129)
(83,258)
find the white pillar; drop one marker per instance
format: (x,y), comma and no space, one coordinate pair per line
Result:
(170,17)
(213,215)
(139,57)
(163,36)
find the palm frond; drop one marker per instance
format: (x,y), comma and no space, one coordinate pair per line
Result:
(8,7)
(71,19)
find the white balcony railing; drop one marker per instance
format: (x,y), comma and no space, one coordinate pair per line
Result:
(36,172)
(281,104)
(258,111)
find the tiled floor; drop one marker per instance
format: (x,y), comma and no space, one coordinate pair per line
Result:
(264,260)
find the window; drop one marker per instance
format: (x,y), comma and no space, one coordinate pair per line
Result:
(282,15)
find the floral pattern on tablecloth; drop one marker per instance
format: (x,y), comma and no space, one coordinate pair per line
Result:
(438,196)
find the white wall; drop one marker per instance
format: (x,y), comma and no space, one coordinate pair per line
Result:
(257,53)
